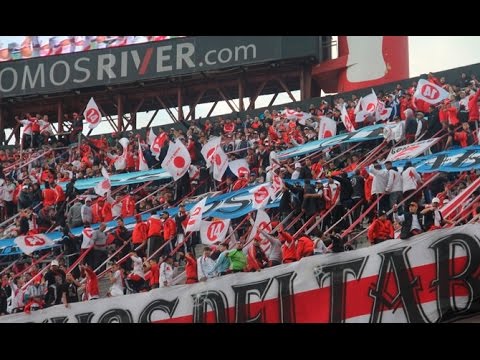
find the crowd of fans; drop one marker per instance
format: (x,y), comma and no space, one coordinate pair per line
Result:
(34,46)
(334,181)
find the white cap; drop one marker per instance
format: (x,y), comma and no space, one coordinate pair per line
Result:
(297,165)
(436,200)
(54,263)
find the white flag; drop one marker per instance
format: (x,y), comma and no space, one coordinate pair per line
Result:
(430,92)
(177,161)
(382,113)
(290,114)
(142,163)
(195,216)
(277,184)
(239,168)
(31,243)
(213,231)
(220,163)
(92,114)
(369,103)
(260,195)
(121,161)
(209,149)
(105,185)
(327,128)
(262,222)
(302,116)
(346,120)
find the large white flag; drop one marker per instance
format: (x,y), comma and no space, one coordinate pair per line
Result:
(105,185)
(92,114)
(209,149)
(195,216)
(327,128)
(262,222)
(178,160)
(239,168)
(220,163)
(142,163)
(31,243)
(213,231)
(430,92)
(369,102)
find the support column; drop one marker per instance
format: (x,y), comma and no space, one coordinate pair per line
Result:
(180,103)
(306,82)
(60,117)
(120,113)
(241,93)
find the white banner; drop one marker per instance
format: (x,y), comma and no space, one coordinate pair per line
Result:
(213,231)
(410,151)
(31,243)
(92,114)
(105,185)
(427,279)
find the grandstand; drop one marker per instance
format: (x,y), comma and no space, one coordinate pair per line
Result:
(175,211)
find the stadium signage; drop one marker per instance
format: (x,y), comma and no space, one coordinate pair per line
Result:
(430,278)
(148,61)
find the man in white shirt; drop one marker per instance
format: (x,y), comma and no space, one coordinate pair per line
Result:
(166,272)
(205,265)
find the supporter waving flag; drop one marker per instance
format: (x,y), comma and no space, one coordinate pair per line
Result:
(239,168)
(31,243)
(178,160)
(260,195)
(430,92)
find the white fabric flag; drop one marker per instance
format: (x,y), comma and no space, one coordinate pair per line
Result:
(220,164)
(277,185)
(213,231)
(30,243)
(195,216)
(262,221)
(92,114)
(121,161)
(290,114)
(302,116)
(430,92)
(142,163)
(105,185)
(346,120)
(177,161)
(208,150)
(369,103)
(327,128)
(239,168)
(260,195)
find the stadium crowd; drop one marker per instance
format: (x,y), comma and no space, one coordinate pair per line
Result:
(339,185)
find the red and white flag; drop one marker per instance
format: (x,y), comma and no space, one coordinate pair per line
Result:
(157,142)
(239,168)
(31,243)
(346,120)
(92,114)
(277,184)
(213,231)
(260,195)
(430,92)
(142,163)
(382,113)
(121,160)
(369,103)
(262,222)
(410,151)
(177,161)
(327,128)
(195,216)
(105,185)
(290,114)
(209,149)
(302,116)
(220,164)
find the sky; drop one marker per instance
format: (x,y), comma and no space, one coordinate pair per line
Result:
(427,53)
